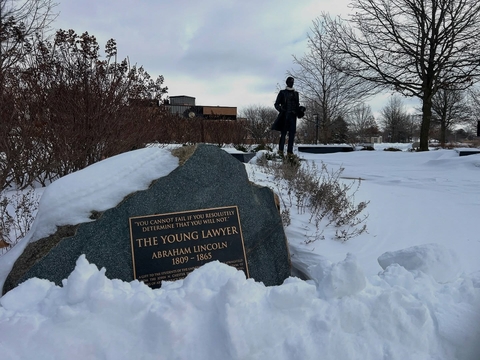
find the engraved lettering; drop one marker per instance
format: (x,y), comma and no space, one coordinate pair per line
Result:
(148,241)
(172,238)
(159,221)
(169,253)
(210,247)
(183,224)
(167,247)
(157,227)
(226,231)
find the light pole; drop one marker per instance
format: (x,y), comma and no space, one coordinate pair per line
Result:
(315,116)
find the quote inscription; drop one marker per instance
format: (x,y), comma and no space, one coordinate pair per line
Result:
(170,246)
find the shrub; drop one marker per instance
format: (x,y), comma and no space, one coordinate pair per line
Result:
(321,191)
(68,107)
(262,147)
(17,212)
(241,147)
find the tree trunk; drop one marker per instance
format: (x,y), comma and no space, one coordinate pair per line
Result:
(427,116)
(443,131)
(325,124)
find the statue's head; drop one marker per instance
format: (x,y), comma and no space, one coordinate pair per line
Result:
(290,80)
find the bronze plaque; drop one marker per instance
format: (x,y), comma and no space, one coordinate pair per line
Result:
(170,246)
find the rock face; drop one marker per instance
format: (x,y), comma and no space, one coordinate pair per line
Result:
(208,178)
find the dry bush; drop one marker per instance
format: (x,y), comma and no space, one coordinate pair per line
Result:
(64,108)
(330,200)
(17,212)
(221,132)
(183,153)
(475,143)
(178,130)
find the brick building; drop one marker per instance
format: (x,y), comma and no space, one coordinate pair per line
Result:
(185,106)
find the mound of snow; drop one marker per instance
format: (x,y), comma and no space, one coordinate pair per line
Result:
(432,259)
(338,280)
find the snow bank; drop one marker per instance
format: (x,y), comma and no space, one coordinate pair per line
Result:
(422,305)
(338,280)
(101,186)
(432,259)
(216,313)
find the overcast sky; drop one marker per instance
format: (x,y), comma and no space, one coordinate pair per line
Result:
(222,52)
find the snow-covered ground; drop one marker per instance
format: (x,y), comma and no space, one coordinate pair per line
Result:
(409,288)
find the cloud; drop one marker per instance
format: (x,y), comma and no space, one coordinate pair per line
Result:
(228,52)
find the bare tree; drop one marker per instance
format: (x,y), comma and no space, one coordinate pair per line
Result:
(395,121)
(308,126)
(449,108)
(411,46)
(362,123)
(258,122)
(473,125)
(21,21)
(329,93)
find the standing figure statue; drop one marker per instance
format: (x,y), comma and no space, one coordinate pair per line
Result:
(288,106)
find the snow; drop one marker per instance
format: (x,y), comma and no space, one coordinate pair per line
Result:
(407,289)
(99,187)
(432,259)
